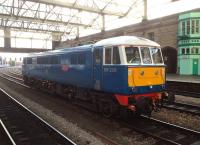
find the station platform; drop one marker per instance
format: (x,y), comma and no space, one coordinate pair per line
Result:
(183,78)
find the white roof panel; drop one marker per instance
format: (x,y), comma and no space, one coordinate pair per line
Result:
(126,40)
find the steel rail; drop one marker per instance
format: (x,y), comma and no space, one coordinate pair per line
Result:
(183,107)
(187,133)
(16,74)
(185,93)
(97,134)
(163,131)
(12,80)
(16,78)
(31,118)
(7,133)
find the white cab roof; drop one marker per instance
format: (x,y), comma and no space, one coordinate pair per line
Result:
(126,40)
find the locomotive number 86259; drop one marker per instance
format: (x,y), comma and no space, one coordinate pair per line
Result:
(119,73)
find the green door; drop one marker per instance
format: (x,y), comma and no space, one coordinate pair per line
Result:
(195,66)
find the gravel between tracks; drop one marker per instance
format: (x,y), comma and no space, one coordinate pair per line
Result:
(75,123)
(181,119)
(71,130)
(187,99)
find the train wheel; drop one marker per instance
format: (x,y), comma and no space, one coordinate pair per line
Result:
(70,96)
(107,108)
(126,114)
(25,80)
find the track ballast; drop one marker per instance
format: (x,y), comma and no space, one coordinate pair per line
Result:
(25,127)
(165,132)
(183,107)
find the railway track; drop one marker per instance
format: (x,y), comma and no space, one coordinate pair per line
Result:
(186,108)
(165,132)
(5,136)
(15,74)
(182,107)
(13,77)
(190,89)
(103,138)
(16,80)
(25,127)
(184,93)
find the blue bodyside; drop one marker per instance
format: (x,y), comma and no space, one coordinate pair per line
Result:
(77,75)
(107,78)
(115,78)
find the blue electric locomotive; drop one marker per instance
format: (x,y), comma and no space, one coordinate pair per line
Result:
(120,72)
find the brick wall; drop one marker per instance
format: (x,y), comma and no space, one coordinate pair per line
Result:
(164,31)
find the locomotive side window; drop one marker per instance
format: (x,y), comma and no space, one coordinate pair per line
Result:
(29,61)
(38,60)
(34,60)
(54,60)
(45,60)
(116,58)
(146,57)
(24,61)
(108,56)
(132,55)
(73,59)
(65,60)
(156,55)
(77,59)
(81,59)
(97,57)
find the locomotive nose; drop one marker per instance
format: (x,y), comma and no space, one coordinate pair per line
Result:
(146,76)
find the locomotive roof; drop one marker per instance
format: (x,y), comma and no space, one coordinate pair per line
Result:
(60,51)
(121,40)
(126,40)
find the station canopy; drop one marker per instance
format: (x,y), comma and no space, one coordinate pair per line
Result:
(76,18)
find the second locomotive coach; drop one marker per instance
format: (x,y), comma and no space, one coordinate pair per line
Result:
(120,72)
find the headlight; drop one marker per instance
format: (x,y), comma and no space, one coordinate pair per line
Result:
(134,89)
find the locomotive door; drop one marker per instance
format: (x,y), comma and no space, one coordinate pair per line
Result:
(97,68)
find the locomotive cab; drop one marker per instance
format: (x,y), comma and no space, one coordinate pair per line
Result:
(134,71)
(146,77)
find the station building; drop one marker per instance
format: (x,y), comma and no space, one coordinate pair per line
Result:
(189,43)
(180,45)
